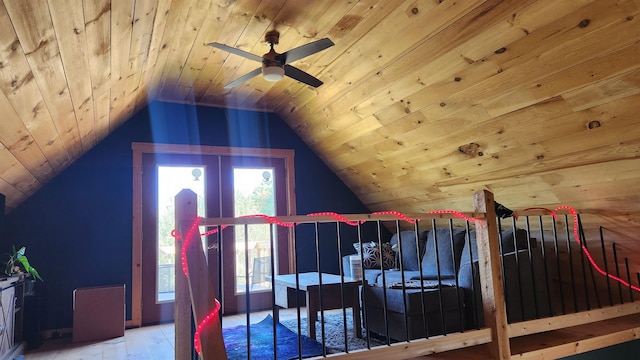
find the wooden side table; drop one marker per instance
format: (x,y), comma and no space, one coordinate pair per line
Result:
(308,292)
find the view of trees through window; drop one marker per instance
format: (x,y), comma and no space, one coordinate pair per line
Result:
(253,194)
(171,180)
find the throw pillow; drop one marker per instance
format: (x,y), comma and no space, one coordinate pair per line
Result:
(373,258)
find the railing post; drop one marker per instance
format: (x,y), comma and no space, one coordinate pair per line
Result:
(490,267)
(195,291)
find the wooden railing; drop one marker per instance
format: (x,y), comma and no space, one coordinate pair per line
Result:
(195,293)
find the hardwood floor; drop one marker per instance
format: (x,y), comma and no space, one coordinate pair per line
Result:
(146,343)
(149,342)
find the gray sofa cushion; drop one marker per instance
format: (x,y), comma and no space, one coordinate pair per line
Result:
(448,257)
(411,254)
(507,244)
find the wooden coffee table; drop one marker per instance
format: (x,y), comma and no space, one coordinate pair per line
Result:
(309,290)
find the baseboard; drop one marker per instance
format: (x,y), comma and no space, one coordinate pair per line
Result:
(56,333)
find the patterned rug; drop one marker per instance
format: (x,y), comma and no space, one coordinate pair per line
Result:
(334,333)
(335,341)
(235,341)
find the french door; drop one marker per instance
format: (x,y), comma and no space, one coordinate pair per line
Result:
(252,186)
(227,186)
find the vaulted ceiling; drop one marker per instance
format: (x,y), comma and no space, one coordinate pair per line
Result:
(423,102)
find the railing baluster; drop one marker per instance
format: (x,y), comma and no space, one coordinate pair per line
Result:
(615,260)
(474,306)
(584,276)
(247,289)
(606,266)
(545,264)
(416,230)
(573,279)
(435,238)
(404,290)
(273,276)
(626,263)
(583,241)
(456,266)
(320,297)
(556,247)
(344,310)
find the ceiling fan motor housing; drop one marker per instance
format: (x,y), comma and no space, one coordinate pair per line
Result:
(272,68)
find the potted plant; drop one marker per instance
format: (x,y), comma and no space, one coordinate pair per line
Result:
(19,264)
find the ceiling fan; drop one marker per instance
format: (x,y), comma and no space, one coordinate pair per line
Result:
(274,65)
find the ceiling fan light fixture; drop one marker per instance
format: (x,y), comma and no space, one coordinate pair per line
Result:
(273,73)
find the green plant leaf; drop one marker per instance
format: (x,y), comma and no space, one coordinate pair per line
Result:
(27,267)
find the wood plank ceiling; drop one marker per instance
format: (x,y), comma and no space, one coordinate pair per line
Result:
(423,103)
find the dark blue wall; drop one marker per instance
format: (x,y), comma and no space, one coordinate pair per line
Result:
(78,227)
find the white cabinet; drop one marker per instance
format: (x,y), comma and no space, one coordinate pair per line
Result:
(7,310)
(10,306)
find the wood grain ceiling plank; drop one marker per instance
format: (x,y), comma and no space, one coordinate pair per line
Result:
(559,45)
(51,80)
(17,138)
(380,65)
(16,175)
(159,26)
(244,29)
(447,70)
(184,40)
(597,190)
(97,16)
(169,13)
(442,149)
(554,159)
(203,26)
(603,77)
(72,42)
(471,75)
(430,142)
(24,96)
(192,74)
(353,26)
(611,89)
(121,22)
(141,33)
(34,28)
(102,105)
(144,14)
(12,195)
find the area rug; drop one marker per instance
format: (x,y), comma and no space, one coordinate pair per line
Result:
(235,341)
(334,333)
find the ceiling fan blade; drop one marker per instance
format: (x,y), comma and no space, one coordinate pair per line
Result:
(232,50)
(297,74)
(305,50)
(243,78)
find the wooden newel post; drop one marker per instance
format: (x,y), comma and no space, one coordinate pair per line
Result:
(193,292)
(490,266)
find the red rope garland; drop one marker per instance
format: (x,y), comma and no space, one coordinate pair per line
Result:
(337,217)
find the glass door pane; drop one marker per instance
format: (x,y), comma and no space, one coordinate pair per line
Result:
(254,193)
(171,180)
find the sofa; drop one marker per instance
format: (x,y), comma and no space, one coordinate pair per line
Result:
(433,286)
